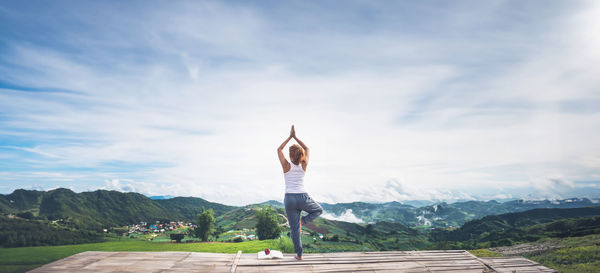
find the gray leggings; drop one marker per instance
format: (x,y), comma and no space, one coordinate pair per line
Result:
(295,203)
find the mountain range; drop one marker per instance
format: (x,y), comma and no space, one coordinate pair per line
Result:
(61,216)
(437,215)
(103,208)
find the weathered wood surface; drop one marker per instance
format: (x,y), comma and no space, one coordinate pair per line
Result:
(96,261)
(515,264)
(391,261)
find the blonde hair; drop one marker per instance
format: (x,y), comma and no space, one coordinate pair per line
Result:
(297,154)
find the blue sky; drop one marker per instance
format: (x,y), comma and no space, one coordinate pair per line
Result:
(398,100)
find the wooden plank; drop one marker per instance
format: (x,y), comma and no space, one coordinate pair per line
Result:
(235,261)
(512,264)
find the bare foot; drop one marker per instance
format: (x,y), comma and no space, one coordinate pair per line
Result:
(299,258)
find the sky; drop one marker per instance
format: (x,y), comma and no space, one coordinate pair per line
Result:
(397,100)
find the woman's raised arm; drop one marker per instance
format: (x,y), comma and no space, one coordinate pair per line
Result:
(284,163)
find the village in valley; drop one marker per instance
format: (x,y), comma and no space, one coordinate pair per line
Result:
(160,232)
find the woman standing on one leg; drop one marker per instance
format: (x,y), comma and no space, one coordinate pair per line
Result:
(296,199)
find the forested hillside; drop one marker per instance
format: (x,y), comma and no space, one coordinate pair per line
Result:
(16,232)
(100,209)
(527,226)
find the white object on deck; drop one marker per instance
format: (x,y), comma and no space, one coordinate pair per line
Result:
(273,255)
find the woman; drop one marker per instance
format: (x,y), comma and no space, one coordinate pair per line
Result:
(296,199)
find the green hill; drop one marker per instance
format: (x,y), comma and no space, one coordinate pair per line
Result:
(100,209)
(21,200)
(272,203)
(244,217)
(494,223)
(527,226)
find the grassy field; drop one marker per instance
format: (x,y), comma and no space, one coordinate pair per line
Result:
(26,258)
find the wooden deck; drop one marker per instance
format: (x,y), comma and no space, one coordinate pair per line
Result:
(392,261)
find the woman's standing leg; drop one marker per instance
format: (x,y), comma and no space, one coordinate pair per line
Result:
(293,211)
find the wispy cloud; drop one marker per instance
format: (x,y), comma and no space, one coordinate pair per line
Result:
(35,150)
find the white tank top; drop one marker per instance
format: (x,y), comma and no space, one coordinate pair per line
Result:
(294,179)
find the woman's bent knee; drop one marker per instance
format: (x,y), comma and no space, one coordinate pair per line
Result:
(319,210)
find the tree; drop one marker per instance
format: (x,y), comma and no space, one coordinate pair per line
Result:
(267,226)
(206,221)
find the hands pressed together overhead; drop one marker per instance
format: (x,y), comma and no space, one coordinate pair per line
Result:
(282,159)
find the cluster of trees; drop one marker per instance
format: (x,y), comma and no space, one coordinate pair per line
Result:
(267,226)
(19,233)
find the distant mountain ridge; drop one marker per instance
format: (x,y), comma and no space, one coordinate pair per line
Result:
(444,214)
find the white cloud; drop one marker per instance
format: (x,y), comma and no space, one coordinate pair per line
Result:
(347,216)
(118,185)
(501,196)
